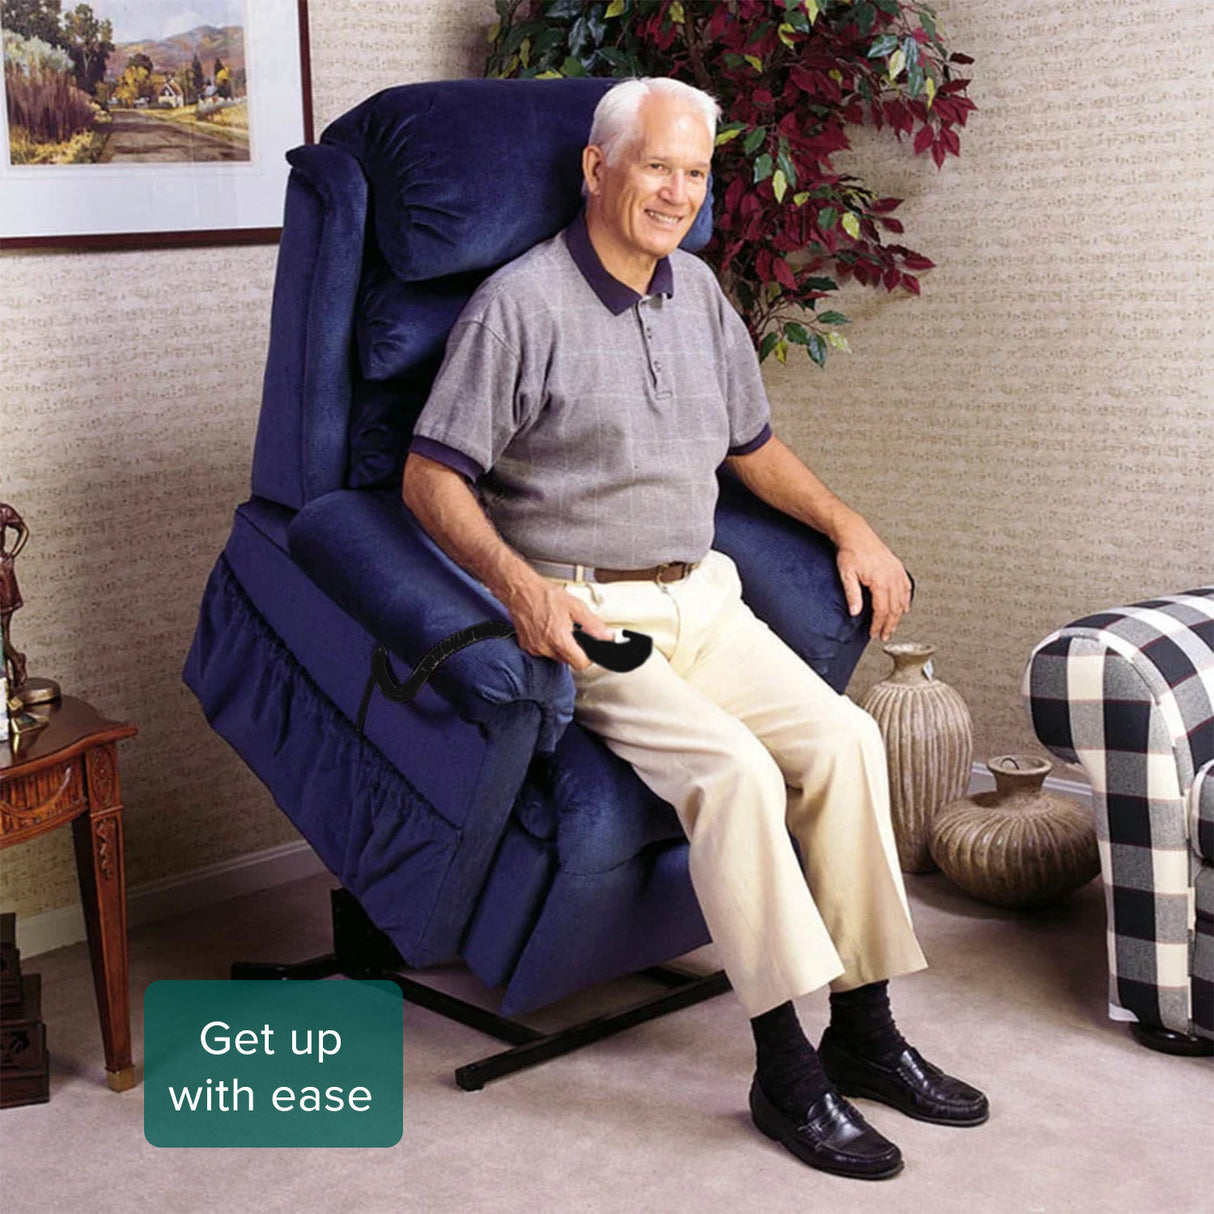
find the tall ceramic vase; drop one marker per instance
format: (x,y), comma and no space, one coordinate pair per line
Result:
(929,744)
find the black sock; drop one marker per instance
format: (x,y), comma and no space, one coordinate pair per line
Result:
(860,1020)
(790,1074)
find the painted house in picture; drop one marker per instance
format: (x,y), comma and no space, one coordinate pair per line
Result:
(125,81)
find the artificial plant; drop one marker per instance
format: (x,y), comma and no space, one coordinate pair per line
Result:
(791,76)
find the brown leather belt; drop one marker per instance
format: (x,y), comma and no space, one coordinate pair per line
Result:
(671,571)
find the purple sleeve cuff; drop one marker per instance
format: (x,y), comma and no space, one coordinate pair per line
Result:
(746,448)
(431,448)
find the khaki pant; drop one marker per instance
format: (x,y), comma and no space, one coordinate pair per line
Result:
(748,744)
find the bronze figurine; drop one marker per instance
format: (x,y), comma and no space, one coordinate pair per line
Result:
(20,686)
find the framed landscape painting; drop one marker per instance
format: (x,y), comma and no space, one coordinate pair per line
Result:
(137,122)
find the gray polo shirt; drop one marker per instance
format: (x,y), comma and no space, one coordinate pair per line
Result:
(593,419)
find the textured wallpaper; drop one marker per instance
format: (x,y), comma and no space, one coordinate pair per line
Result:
(1032,435)
(1035,434)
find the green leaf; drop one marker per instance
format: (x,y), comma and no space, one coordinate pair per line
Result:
(779,183)
(784,164)
(837,341)
(548,40)
(782,351)
(801,198)
(785,34)
(622,64)
(767,345)
(550,74)
(725,136)
(796,333)
(820,284)
(813,8)
(615,8)
(890,7)
(897,61)
(817,348)
(884,45)
(754,139)
(676,13)
(827,218)
(763,168)
(929,25)
(572,67)
(754,62)
(865,16)
(915,79)
(851,225)
(833,318)
(580,38)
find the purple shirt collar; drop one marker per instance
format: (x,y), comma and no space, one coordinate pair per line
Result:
(615,295)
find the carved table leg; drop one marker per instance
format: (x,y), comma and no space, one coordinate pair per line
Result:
(99,866)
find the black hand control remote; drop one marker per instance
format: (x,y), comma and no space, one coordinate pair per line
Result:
(619,656)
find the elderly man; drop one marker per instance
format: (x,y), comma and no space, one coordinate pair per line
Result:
(590,391)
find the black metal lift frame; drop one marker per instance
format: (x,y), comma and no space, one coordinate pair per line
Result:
(361,950)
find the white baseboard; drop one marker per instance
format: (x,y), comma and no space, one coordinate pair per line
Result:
(170,896)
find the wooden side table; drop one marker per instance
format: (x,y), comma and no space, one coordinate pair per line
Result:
(69,773)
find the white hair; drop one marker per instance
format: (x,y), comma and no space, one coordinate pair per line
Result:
(617,115)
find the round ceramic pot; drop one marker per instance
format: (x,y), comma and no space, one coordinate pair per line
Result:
(1020,845)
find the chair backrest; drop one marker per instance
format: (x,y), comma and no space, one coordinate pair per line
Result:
(391,223)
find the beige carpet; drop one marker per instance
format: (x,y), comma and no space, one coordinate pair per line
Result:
(1084,1120)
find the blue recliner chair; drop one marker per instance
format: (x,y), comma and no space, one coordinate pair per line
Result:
(476,821)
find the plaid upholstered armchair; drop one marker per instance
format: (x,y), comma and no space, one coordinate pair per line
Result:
(1129,695)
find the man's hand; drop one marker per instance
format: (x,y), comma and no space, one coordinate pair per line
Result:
(544,616)
(864,560)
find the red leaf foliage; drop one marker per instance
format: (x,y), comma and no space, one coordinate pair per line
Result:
(806,96)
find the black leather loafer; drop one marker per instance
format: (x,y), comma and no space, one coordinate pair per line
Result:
(909,1083)
(833,1137)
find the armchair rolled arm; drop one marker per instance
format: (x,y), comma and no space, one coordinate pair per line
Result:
(1081,680)
(368,553)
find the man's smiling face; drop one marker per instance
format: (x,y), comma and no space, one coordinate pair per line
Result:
(649,195)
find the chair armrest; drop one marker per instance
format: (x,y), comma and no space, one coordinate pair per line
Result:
(1157,655)
(366,551)
(791,582)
